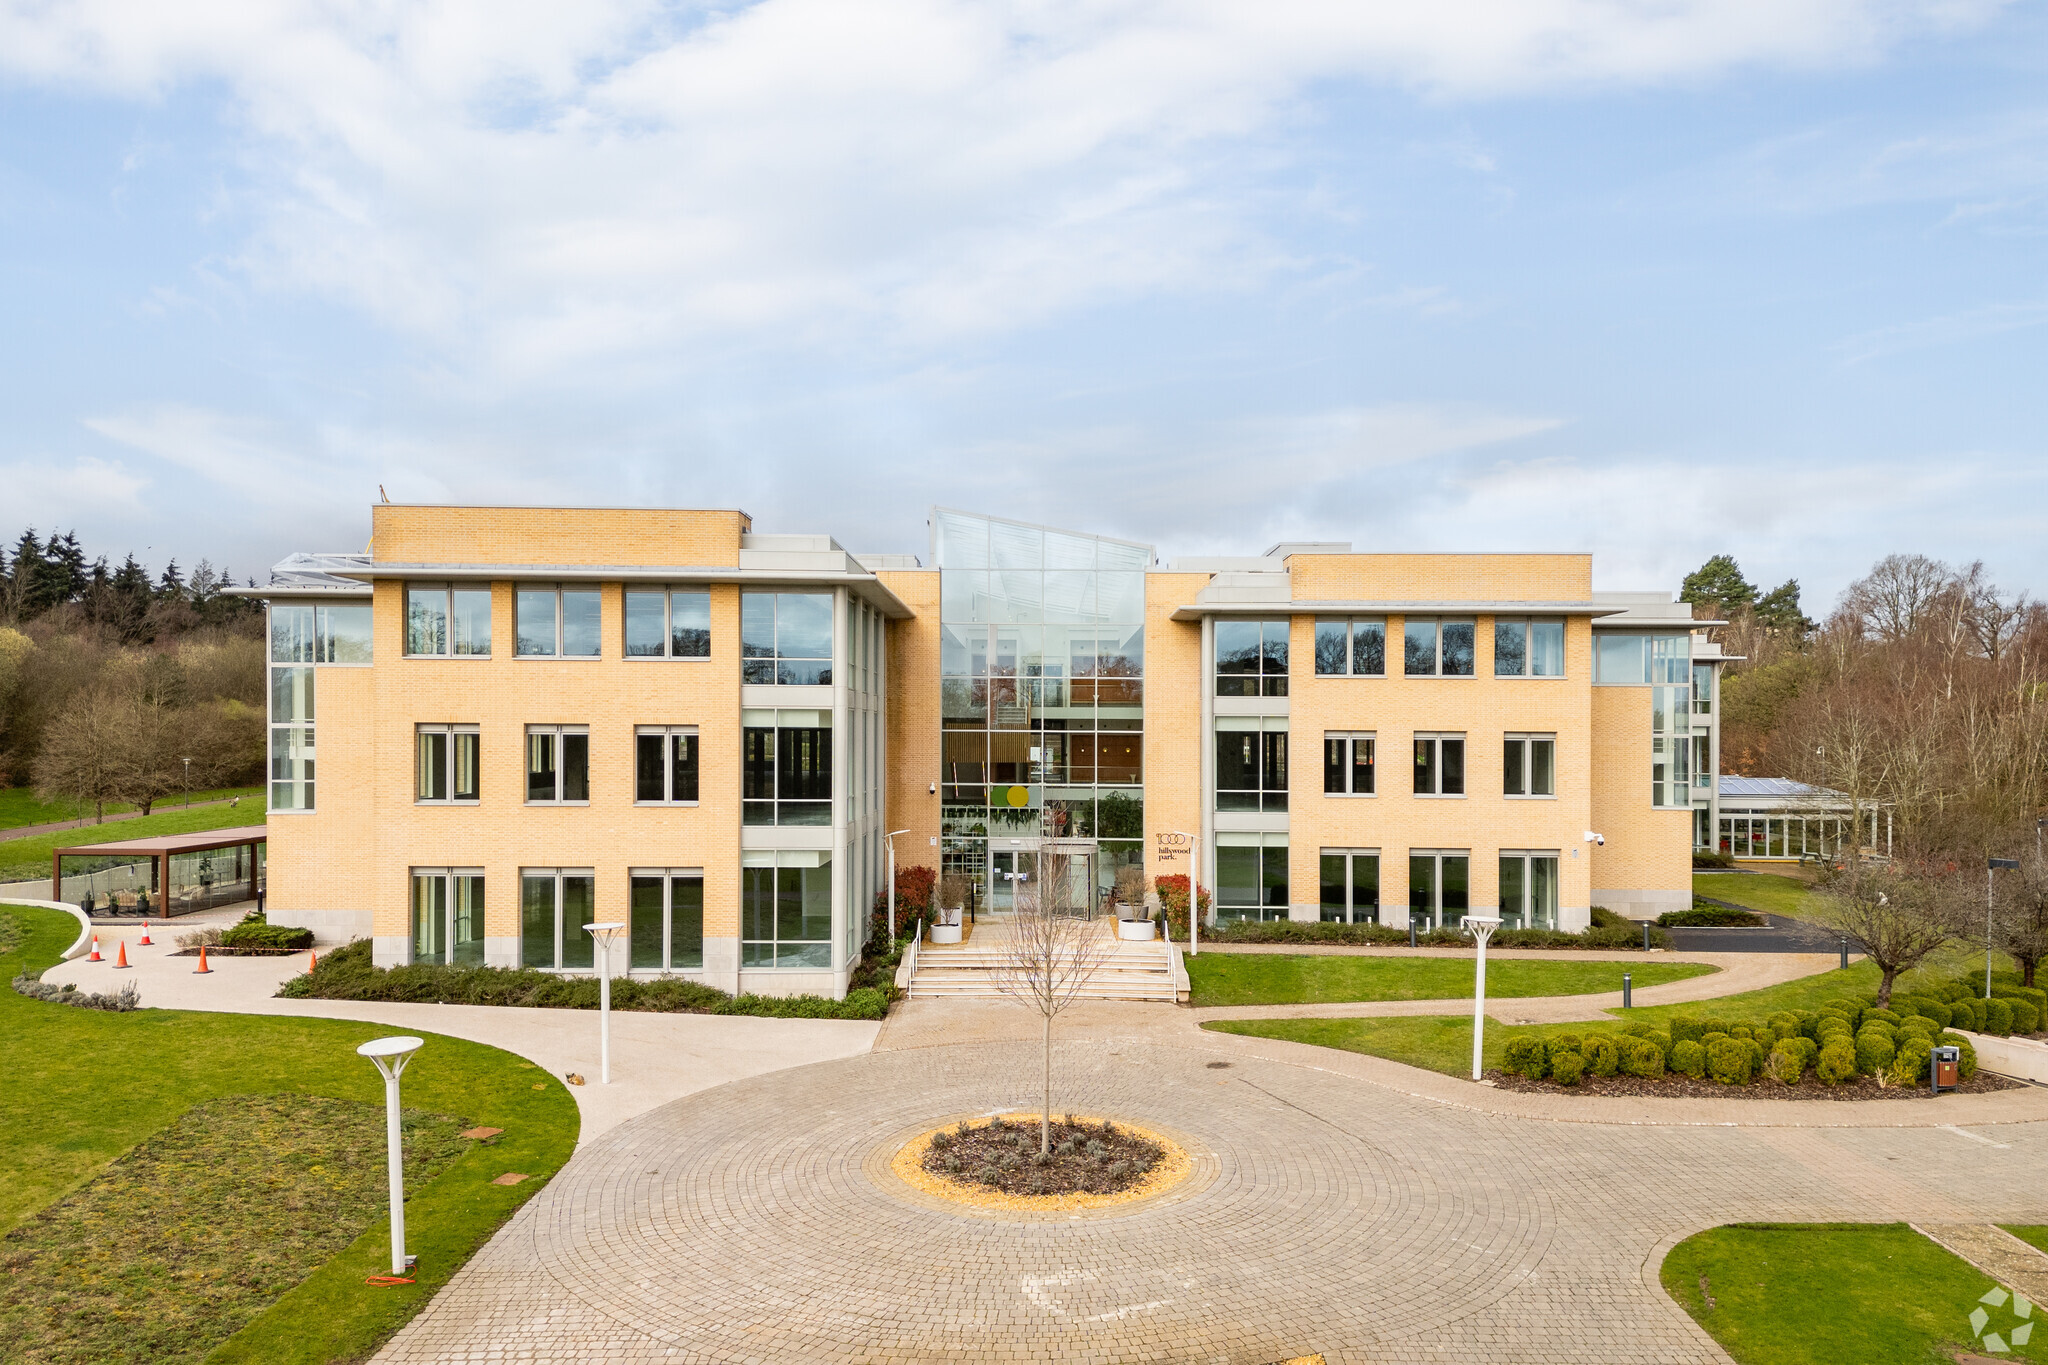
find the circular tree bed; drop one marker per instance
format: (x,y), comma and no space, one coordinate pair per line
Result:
(997,1163)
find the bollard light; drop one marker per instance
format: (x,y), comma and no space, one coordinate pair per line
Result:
(1481,928)
(606,932)
(1627,981)
(1845,952)
(1646,936)
(391,1056)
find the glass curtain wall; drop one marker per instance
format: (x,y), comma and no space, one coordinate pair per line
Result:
(1042,685)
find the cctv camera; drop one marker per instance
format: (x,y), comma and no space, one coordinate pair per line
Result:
(1596,838)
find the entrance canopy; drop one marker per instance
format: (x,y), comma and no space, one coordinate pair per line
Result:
(171,874)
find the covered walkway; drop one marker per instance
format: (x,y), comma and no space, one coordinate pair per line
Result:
(163,876)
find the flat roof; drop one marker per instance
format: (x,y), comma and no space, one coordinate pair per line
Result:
(178,843)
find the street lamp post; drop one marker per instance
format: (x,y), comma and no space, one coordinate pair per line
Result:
(1993,866)
(606,932)
(1481,927)
(890,840)
(188,781)
(1194,891)
(391,1056)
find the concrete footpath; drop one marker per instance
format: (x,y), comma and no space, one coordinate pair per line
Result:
(655,1057)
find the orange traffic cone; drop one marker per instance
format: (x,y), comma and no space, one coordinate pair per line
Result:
(122,960)
(202,968)
(144,941)
(95,950)
(312,961)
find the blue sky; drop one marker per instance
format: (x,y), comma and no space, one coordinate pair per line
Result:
(1653,281)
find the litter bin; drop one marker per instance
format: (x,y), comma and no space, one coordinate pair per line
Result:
(1944,1068)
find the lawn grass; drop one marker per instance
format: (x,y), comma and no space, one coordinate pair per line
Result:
(1786,896)
(87,1086)
(20,805)
(200,1228)
(1444,1042)
(1820,1294)
(2033,1236)
(1288,979)
(29,859)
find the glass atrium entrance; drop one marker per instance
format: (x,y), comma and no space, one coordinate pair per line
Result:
(1020,865)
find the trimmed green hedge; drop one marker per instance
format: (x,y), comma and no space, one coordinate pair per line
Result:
(1710,917)
(348,974)
(1610,932)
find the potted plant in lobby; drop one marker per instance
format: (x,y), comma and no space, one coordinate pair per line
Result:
(950,911)
(1133,918)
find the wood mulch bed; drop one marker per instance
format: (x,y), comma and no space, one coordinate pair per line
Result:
(1087,1158)
(1676,1087)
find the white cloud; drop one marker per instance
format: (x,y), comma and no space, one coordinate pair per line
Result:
(84,492)
(538,187)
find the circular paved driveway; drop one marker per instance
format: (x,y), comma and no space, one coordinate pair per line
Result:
(754,1223)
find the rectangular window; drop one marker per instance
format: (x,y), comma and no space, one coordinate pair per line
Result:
(785,767)
(291,738)
(1351,885)
(1352,647)
(447,622)
(1529,765)
(1439,887)
(554,905)
(557,764)
(1251,763)
(1703,689)
(1528,890)
(317,633)
(668,624)
(445,766)
(1532,648)
(786,908)
(1251,658)
(786,638)
(1437,647)
(1348,763)
(665,765)
(556,622)
(1439,765)
(1251,876)
(1670,747)
(666,929)
(1635,660)
(448,915)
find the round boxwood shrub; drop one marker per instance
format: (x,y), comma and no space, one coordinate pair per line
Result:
(1998,1016)
(1688,1058)
(1786,1063)
(2025,1018)
(1837,1062)
(1909,1066)
(1638,1028)
(1565,1042)
(1892,1017)
(1641,1057)
(1603,1058)
(1741,1031)
(1874,1052)
(1525,1056)
(1969,1014)
(1928,1008)
(274,937)
(1849,1009)
(1685,1028)
(1951,990)
(1730,1060)
(1566,1067)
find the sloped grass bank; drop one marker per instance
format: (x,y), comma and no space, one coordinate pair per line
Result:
(1277,979)
(187,1238)
(85,1087)
(1826,1293)
(29,859)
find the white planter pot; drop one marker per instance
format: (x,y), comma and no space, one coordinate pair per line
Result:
(1134,930)
(945,933)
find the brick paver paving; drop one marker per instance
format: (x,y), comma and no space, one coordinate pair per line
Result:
(1340,1216)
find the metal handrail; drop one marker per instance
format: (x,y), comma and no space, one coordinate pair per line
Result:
(910,957)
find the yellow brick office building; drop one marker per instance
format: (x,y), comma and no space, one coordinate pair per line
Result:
(499,724)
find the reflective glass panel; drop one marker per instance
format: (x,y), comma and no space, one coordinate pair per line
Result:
(579,907)
(1369,649)
(689,625)
(426,621)
(469,627)
(1546,649)
(1510,649)
(534,622)
(1418,648)
(646,625)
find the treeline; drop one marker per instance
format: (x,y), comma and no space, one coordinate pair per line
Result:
(110,679)
(1924,692)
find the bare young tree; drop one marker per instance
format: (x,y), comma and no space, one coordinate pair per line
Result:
(83,756)
(2019,921)
(1898,916)
(1056,947)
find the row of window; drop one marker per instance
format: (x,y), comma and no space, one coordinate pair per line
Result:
(1251,656)
(785,637)
(785,915)
(1251,764)
(447,763)
(1251,883)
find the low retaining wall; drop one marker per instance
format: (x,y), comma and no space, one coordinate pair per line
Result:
(2023,1059)
(84,924)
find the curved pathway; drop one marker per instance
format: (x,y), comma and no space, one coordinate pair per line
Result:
(1334,1215)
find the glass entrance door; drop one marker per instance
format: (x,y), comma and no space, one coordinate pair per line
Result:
(1009,871)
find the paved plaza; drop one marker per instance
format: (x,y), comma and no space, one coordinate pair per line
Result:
(1329,1213)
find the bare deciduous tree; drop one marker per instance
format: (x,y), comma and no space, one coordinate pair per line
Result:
(1899,916)
(1056,947)
(2019,922)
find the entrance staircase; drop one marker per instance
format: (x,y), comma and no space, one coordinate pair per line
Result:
(966,971)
